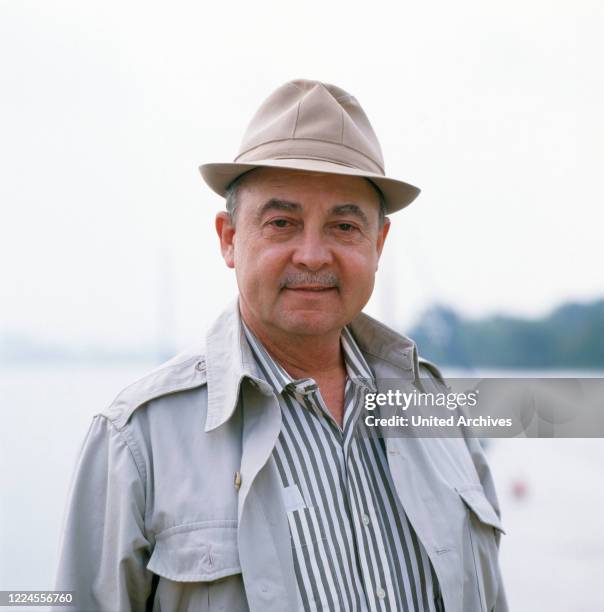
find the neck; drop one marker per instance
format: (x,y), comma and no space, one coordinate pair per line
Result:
(302,356)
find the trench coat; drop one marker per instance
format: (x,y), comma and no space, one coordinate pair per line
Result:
(155,521)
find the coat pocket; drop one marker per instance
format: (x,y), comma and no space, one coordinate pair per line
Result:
(483,530)
(199,569)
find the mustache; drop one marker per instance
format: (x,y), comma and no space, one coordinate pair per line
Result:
(300,279)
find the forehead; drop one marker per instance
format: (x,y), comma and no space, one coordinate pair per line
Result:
(301,186)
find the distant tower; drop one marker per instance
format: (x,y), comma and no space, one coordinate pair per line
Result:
(166,299)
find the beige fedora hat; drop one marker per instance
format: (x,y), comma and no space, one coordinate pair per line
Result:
(310,125)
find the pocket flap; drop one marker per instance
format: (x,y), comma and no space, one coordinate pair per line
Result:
(478,502)
(195,552)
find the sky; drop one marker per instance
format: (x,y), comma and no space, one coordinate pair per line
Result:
(108,108)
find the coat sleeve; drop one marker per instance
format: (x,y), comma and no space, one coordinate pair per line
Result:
(486,479)
(104,549)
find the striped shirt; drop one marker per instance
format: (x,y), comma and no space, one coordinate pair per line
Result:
(353,547)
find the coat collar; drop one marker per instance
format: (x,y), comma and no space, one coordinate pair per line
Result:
(229,359)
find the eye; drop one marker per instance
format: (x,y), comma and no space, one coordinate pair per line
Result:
(279,223)
(346,227)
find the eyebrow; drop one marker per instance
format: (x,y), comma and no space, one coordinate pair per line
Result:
(277,204)
(342,210)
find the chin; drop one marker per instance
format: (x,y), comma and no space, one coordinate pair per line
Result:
(310,323)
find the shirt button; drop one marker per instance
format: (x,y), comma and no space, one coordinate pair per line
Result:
(365,519)
(380,593)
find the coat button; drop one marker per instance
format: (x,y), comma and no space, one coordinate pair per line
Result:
(200,366)
(265,590)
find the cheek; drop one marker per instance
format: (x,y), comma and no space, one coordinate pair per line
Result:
(358,270)
(259,263)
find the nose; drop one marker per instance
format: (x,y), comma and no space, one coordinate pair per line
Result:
(312,250)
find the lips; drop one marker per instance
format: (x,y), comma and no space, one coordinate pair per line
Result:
(310,288)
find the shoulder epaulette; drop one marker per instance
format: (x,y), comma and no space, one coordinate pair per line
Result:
(183,372)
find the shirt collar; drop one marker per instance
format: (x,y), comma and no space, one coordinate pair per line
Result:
(272,371)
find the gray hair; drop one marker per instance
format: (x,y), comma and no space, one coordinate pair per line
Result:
(232,198)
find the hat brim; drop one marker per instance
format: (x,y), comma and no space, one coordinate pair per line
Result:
(397,194)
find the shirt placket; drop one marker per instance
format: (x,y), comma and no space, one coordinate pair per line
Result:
(366,538)
(310,397)
(365,527)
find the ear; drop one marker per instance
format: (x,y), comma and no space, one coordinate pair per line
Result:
(382,233)
(226,234)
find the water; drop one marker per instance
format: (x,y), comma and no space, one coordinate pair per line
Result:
(553,553)
(45,411)
(551,491)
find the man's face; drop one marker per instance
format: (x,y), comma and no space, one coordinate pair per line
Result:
(305,248)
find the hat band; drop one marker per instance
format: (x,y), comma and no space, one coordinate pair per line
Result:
(311,148)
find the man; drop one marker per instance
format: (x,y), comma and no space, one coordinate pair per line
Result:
(242,476)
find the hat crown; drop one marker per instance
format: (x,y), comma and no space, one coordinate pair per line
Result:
(312,120)
(313,127)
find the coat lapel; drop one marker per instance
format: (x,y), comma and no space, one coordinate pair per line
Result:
(264,542)
(421,479)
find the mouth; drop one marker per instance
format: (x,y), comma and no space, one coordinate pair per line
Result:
(310,289)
